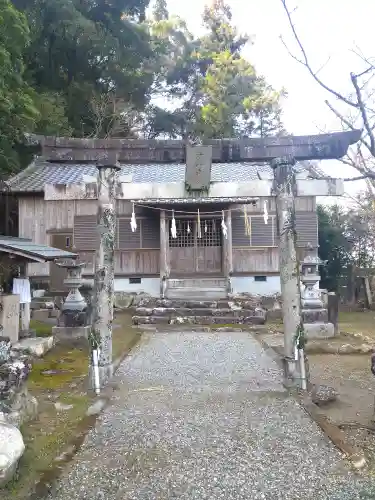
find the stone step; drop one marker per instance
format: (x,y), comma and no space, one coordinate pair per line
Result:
(197,293)
(186,303)
(172,312)
(198,320)
(258,329)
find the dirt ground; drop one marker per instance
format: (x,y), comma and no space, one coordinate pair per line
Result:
(351,376)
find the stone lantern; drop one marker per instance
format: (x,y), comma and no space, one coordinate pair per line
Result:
(73,309)
(310,277)
(314,314)
(74,317)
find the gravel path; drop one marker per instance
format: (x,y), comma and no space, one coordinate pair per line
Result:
(202,416)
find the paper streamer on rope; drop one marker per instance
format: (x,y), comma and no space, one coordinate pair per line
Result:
(224,226)
(188,228)
(133,222)
(173,227)
(199,225)
(247,222)
(265,213)
(205,226)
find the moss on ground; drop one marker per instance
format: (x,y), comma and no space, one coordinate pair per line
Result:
(41,329)
(60,376)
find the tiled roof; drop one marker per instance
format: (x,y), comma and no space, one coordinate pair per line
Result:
(40,172)
(27,247)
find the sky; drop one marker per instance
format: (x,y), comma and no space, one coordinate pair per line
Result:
(330,31)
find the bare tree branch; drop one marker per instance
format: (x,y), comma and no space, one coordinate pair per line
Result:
(305,60)
(360,103)
(347,123)
(363,113)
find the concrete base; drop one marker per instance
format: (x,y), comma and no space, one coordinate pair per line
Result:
(40,314)
(42,304)
(105,376)
(69,333)
(38,346)
(319,330)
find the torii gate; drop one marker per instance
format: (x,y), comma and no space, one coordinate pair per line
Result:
(280,152)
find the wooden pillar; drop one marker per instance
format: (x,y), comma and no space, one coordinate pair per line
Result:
(285,190)
(228,250)
(164,267)
(104,270)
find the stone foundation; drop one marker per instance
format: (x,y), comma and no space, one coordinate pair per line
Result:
(315,315)
(319,330)
(71,333)
(178,311)
(270,304)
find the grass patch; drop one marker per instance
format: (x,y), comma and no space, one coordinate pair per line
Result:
(358,322)
(47,437)
(41,329)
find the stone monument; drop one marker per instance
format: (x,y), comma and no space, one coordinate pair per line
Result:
(10,316)
(314,313)
(74,320)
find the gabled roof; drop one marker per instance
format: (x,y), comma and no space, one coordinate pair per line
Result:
(32,251)
(41,172)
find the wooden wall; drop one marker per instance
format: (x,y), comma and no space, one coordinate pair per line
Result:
(258,252)
(138,253)
(39,219)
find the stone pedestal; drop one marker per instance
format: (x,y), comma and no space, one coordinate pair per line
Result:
(73,324)
(10,316)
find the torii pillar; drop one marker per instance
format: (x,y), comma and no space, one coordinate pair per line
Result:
(104,267)
(285,189)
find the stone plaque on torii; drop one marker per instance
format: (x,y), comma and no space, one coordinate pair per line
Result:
(198,168)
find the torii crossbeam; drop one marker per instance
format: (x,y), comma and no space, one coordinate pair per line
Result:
(309,147)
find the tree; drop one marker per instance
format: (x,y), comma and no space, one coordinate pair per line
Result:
(347,242)
(160,11)
(216,92)
(18,113)
(334,248)
(82,49)
(355,110)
